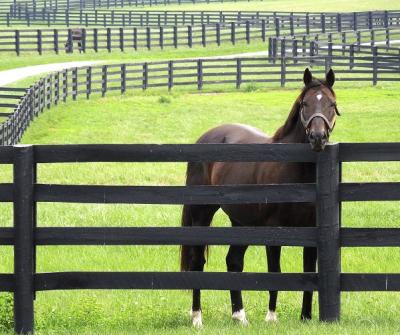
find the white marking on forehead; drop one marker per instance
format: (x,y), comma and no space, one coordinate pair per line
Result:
(319,96)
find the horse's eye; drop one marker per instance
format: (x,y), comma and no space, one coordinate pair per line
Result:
(305,104)
(333,104)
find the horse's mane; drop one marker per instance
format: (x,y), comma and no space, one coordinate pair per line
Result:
(291,121)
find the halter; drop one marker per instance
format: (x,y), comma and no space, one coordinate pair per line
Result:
(306,122)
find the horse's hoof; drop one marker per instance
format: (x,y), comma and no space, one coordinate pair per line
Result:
(240,316)
(197,321)
(305,317)
(271,317)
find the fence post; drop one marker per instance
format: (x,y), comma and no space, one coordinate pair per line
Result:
(374,65)
(148,38)
(121,39)
(161,40)
(103,80)
(351,57)
(355,23)
(233,33)
(95,40)
(109,39)
(277,27)
(135,39)
(64,85)
(339,22)
(88,82)
(69,42)
(74,83)
(123,78)
(175,35)
(238,73)
(190,36)
(327,213)
(323,23)
(203,35)
(145,76)
(291,24)
(17,42)
(247,32)
(199,74)
(218,33)
(39,41)
(24,173)
(295,51)
(170,74)
(263,30)
(55,40)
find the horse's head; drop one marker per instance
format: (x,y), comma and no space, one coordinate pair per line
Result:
(318,109)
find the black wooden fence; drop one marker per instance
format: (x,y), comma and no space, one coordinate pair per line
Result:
(295,41)
(327,193)
(328,20)
(129,39)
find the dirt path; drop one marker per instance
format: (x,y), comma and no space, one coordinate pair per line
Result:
(13,75)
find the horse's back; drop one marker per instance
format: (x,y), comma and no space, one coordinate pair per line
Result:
(234,134)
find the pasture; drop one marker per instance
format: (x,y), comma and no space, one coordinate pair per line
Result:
(162,117)
(156,115)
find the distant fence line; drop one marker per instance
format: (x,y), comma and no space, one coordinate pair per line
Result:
(383,42)
(345,21)
(128,39)
(56,5)
(196,73)
(125,39)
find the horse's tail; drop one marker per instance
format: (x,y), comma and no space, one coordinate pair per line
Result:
(195,175)
(186,221)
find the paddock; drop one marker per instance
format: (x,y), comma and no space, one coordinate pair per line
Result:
(98,223)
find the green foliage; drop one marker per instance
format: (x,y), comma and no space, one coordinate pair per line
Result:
(6,311)
(251,87)
(164,99)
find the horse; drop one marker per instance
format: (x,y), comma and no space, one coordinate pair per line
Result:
(311,120)
(76,35)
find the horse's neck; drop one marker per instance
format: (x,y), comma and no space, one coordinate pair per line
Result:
(296,135)
(300,172)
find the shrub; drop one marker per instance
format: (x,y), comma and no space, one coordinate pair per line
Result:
(164,99)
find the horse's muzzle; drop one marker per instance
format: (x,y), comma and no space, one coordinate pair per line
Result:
(318,140)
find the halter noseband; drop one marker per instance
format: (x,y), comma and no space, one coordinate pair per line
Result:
(306,122)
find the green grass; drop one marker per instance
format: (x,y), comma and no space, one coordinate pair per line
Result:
(368,114)
(10,60)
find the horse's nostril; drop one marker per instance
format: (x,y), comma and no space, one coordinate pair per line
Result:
(312,136)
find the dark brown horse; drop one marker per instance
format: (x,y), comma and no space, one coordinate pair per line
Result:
(311,120)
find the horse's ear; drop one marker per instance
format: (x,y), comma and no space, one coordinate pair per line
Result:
(330,78)
(307,77)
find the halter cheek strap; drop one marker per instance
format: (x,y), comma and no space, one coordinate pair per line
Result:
(306,122)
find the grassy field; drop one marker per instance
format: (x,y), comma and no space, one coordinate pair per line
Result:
(368,114)
(156,116)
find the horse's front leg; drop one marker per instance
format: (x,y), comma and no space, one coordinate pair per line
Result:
(274,265)
(234,263)
(309,265)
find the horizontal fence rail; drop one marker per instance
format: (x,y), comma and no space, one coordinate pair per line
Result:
(327,236)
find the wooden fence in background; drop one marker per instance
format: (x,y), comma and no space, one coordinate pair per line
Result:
(341,21)
(327,193)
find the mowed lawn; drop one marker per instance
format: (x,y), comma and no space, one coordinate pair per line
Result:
(368,114)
